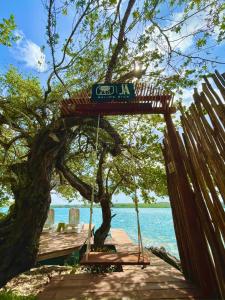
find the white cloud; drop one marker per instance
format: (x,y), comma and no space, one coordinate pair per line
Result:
(200,21)
(185,38)
(182,40)
(29,53)
(190,30)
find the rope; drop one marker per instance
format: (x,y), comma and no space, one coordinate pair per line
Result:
(93,192)
(140,243)
(135,200)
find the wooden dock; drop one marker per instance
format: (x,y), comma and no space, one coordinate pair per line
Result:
(157,281)
(55,244)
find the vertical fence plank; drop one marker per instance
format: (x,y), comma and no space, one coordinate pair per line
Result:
(197,187)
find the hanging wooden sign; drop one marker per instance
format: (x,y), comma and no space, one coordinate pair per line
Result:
(108,92)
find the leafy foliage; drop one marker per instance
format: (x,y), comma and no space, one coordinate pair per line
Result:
(140,165)
(7,26)
(156,35)
(152,36)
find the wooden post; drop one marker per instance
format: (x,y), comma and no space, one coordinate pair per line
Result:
(201,261)
(74,216)
(179,223)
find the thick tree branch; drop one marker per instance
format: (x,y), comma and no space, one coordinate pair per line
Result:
(93,121)
(107,180)
(120,43)
(84,189)
(113,24)
(131,75)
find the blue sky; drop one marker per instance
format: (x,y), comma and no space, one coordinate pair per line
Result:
(30,17)
(26,55)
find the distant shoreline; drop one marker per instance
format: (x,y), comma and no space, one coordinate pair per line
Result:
(119,205)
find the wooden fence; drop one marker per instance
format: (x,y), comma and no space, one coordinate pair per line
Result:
(195,166)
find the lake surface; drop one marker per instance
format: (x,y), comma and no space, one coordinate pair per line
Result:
(156,224)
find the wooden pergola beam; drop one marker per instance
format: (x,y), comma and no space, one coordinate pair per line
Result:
(110,109)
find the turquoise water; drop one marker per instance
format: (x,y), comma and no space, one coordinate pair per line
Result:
(156,224)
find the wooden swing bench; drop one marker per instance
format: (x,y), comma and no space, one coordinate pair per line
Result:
(118,258)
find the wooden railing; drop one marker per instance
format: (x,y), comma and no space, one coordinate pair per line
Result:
(147,100)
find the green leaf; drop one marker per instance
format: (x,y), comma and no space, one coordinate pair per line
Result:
(6,31)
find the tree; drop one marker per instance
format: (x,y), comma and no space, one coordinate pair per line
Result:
(104,43)
(139,167)
(32,146)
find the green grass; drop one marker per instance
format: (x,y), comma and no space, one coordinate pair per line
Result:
(122,205)
(12,296)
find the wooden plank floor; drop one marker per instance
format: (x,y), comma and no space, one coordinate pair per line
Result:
(157,281)
(118,258)
(120,237)
(55,244)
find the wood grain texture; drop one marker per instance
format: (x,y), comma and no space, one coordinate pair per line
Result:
(55,244)
(154,282)
(157,281)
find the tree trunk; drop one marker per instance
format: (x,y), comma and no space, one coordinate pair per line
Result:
(21,229)
(102,232)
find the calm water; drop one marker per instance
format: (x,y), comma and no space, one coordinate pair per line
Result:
(156,224)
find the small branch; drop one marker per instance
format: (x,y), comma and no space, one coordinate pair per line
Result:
(166,38)
(51,24)
(116,186)
(197,57)
(107,180)
(186,18)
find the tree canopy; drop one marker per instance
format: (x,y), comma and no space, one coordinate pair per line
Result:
(109,41)
(109,37)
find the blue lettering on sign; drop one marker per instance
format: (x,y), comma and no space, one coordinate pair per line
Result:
(108,92)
